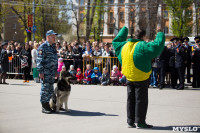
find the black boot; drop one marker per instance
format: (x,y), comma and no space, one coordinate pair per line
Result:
(46,108)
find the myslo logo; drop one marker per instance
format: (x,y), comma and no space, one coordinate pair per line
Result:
(185,129)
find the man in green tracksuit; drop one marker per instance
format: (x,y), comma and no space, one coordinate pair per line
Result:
(135,56)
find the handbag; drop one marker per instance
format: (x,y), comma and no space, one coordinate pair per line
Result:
(24,63)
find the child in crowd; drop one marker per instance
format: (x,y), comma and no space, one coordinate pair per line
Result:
(87,75)
(63,71)
(115,75)
(123,80)
(96,76)
(72,71)
(105,78)
(79,76)
(60,64)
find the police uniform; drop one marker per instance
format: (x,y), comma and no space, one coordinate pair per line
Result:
(196,67)
(163,60)
(172,66)
(180,58)
(47,64)
(188,49)
(4,63)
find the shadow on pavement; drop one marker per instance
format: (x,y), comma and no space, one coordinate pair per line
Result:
(83,113)
(22,84)
(182,128)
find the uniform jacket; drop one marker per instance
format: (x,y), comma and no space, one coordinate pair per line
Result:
(4,61)
(172,57)
(196,59)
(188,54)
(135,55)
(180,57)
(163,59)
(47,60)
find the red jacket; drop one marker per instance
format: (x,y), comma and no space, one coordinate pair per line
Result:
(80,77)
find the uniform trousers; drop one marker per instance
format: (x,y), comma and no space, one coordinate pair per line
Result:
(137,101)
(47,90)
(181,73)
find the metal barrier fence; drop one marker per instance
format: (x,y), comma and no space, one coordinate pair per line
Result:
(14,65)
(101,62)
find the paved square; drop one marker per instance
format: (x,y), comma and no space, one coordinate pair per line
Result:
(95,109)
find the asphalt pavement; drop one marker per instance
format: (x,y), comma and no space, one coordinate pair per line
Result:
(96,109)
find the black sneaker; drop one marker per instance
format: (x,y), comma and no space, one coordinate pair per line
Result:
(143,126)
(131,125)
(46,108)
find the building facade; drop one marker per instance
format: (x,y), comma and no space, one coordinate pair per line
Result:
(119,13)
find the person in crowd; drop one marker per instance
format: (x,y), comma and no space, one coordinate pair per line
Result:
(115,75)
(83,47)
(58,47)
(34,64)
(47,65)
(72,71)
(63,50)
(96,75)
(188,49)
(69,57)
(97,51)
(77,55)
(163,60)
(79,76)
(122,80)
(180,61)
(101,47)
(63,71)
(154,74)
(87,76)
(26,59)
(107,53)
(136,55)
(88,50)
(196,66)
(60,65)
(105,78)
(15,63)
(173,71)
(4,63)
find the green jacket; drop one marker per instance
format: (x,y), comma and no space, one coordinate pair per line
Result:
(135,55)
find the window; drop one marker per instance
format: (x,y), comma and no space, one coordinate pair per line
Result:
(132,14)
(121,15)
(14,38)
(121,1)
(111,16)
(111,1)
(132,1)
(81,16)
(14,26)
(166,30)
(166,15)
(111,31)
(102,16)
(82,2)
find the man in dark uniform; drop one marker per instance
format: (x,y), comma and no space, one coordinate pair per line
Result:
(162,65)
(196,66)
(188,58)
(77,56)
(172,64)
(180,60)
(4,63)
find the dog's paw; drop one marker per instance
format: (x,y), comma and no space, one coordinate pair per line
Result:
(68,110)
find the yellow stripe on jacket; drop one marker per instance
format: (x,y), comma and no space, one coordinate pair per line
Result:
(128,67)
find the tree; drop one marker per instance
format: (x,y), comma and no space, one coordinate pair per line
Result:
(181,17)
(89,17)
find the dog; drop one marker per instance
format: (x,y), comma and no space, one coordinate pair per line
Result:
(61,93)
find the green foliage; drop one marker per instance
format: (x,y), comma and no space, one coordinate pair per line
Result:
(49,14)
(181,17)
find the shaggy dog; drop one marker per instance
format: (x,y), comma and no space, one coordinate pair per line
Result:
(61,93)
